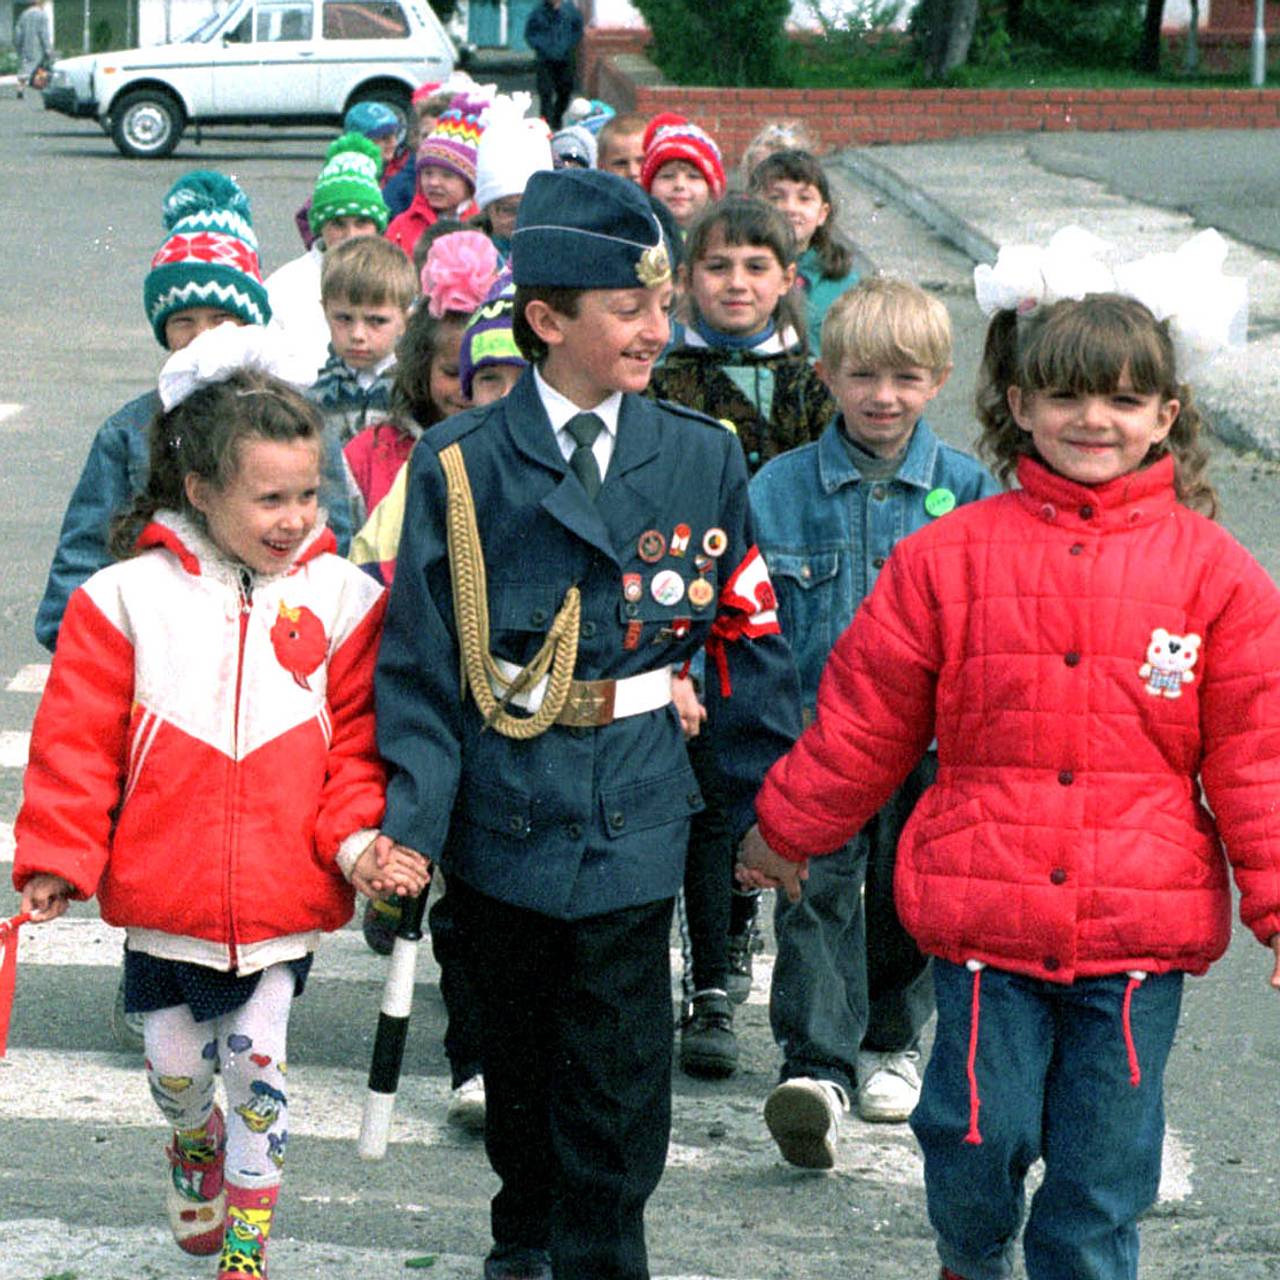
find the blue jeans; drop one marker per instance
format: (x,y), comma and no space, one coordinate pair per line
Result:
(846,977)
(1054,1081)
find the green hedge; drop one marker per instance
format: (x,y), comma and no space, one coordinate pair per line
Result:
(719,42)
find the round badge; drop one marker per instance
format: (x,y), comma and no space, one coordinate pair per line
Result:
(714,542)
(632,587)
(651,547)
(937,502)
(667,587)
(701,593)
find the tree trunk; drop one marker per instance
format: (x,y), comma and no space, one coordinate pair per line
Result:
(947,28)
(964,18)
(1149,51)
(1191,58)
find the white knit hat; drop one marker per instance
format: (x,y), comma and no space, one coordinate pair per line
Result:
(512,149)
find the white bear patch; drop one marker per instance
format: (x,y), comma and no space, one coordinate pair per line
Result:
(1169,662)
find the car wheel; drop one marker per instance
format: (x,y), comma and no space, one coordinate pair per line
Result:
(390,96)
(146,125)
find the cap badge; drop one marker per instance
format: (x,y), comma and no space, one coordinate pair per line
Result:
(654,267)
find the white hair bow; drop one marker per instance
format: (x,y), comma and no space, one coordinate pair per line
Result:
(217,353)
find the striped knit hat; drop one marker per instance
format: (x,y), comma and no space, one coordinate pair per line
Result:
(210,257)
(488,339)
(348,184)
(452,144)
(672,137)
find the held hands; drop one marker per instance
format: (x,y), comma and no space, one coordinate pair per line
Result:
(386,869)
(45,896)
(691,712)
(761,868)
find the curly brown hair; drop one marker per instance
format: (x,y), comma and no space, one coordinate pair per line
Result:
(1085,347)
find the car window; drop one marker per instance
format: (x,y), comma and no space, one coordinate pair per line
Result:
(364,20)
(242,32)
(284,20)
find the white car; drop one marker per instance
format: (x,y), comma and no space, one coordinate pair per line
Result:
(258,62)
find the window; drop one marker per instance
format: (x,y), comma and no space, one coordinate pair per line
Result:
(364,20)
(284,20)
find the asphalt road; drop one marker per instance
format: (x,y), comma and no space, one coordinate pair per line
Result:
(81,1174)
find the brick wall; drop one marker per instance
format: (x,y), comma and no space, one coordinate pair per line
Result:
(861,117)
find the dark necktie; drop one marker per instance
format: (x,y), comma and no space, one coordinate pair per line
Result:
(584,427)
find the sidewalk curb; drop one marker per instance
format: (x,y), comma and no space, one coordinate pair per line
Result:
(952,228)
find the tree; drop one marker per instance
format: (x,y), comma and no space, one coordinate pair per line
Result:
(729,42)
(1149,49)
(943,30)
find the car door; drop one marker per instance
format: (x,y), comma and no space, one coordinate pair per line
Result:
(363,40)
(267,66)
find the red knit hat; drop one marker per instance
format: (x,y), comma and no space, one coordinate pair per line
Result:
(672,137)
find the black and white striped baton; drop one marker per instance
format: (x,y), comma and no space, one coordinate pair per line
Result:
(393,1026)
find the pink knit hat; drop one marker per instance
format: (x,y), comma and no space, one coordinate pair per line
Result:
(672,137)
(452,143)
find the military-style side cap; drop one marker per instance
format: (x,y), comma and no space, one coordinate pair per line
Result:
(587,229)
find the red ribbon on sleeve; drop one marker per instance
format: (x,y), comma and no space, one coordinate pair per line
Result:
(8,972)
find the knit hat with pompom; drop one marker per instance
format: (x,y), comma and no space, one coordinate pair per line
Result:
(210,256)
(672,137)
(454,141)
(348,184)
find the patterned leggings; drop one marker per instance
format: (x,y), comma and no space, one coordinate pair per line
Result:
(248,1045)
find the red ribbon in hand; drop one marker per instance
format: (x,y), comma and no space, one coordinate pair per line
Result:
(8,971)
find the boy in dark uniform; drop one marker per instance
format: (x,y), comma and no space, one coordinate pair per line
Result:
(567,550)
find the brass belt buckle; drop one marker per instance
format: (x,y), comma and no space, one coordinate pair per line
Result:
(589,705)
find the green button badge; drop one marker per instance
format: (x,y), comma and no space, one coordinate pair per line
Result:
(937,502)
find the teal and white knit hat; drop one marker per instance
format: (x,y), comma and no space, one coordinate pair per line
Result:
(210,257)
(348,184)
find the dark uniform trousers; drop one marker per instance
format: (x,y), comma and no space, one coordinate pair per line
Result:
(577,1063)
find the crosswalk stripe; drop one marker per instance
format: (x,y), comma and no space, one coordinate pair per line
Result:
(6,842)
(29,679)
(66,1249)
(13,749)
(8,409)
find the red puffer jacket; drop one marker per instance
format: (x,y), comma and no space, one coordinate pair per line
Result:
(1084,655)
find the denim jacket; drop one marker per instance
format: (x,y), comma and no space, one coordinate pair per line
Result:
(825,532)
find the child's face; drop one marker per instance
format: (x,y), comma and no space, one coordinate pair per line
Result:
(268,507)
(493,382)
(502,216)
(623,154)
(387,146)
(737,287)
(442,189)
(881,404)
(363,334)
(1093,438)
(610,345)
(336,230)
(183,327)
(445,382)
(802,205)
(682,188)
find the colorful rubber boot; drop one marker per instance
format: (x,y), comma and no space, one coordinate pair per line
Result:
(196,1200)
(244,1246)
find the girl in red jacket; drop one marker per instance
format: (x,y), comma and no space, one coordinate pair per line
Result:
(203,760)
(1089,649)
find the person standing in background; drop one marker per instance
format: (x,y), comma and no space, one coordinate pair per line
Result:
(33,41)
(553,31)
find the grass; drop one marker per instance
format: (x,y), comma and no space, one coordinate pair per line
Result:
(844,61)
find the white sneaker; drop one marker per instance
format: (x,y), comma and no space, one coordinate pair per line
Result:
(803,1116)
(466,1105)
(888,1086)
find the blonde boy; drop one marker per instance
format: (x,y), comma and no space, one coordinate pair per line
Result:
(827,517)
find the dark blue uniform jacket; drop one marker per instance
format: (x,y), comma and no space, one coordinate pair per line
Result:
(576,822)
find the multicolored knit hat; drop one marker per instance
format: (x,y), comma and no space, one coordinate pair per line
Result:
(488,338)
(210,256)
(348,184)
(672,137)
(453,142)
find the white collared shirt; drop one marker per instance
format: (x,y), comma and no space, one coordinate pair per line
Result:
(560,409)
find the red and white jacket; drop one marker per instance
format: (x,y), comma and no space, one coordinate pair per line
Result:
(203,757)
(1087,657)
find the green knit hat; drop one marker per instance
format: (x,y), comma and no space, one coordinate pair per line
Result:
(210,257)
(348,184)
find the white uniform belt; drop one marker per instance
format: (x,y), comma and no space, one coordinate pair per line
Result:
(594,702)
